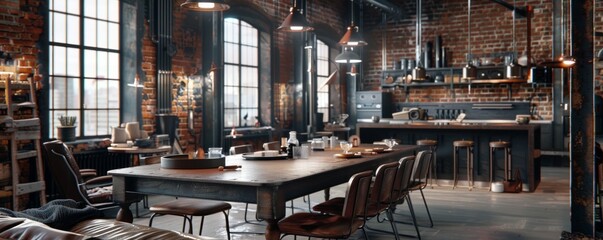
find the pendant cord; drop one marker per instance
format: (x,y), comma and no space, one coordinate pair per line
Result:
(469,31)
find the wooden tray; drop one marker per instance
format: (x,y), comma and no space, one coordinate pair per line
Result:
(181,161)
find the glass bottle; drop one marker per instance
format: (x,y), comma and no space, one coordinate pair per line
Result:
(292,142)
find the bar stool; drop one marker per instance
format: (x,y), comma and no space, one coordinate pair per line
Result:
(188,208)
(433,146)
(468,146)
(506,146)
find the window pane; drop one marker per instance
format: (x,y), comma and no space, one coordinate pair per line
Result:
(59,88)
(59,5)
(113,9)
(231,118)
(73,62)
(249,97)
(73,30)
(113,65)
(249,35)
(249,77)
(60,25)
(101,10)
(89,63)
(73,93)
(59,61)
(231,30)
(249,56)
(73,6)
(113,36)
(101,41)
(102,124)
(251,114)
(89,32)
(103,94)
(102,64)
(90,9)
(231,97)
(231,75)
(91,94)
(231,53)
(113,89)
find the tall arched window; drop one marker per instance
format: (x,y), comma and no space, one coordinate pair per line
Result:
(241,73)
(322,72)
(84,65)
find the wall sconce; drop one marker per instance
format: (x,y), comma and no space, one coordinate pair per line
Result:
(136,82)
(205,5)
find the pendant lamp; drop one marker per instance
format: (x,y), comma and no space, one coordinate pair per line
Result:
(205,5)
(295,22)
(352,37)
(418,73)
(469,71)
(348,56)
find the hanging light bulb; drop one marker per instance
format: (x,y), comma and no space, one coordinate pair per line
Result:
(513,70)
(205,5)
(352,36)
(469,71)
(295,21)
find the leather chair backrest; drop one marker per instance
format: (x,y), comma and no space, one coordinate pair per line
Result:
(402,181)
(422,166)
(65,170)
(357,193)
(383,184)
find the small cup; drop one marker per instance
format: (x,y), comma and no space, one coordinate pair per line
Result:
(305,152)
(214,152)
(297,152)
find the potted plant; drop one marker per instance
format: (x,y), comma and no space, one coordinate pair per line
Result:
(66,132)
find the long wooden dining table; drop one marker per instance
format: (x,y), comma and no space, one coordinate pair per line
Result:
(268,183)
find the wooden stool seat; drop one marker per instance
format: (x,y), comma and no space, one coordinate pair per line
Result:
(188,208)
(468,146)
(506,147)
(427,142)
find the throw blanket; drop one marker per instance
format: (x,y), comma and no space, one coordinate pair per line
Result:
(60,214)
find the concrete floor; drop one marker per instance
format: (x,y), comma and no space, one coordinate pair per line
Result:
(457,214)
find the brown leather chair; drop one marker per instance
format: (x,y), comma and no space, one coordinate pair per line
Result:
(421,176)
(333,226)
(380,194)
(188,208)
(96,192)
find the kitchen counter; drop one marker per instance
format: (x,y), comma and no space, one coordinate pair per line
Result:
(524,138)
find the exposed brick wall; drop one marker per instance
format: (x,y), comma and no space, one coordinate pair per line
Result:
(491,36)
(598,46)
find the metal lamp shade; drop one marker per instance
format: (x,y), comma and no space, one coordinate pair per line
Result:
(295,22)
(352,37)
(348,57)
(205,5)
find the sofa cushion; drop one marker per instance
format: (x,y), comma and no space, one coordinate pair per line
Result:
(112,229)
(22,228)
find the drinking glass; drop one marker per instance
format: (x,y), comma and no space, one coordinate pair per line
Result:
(390,143)
(214,152)
(345,146)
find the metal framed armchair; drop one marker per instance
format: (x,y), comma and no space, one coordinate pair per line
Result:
(96,191)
